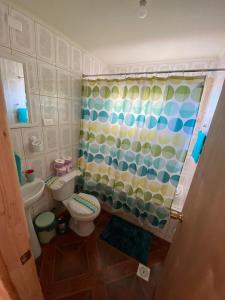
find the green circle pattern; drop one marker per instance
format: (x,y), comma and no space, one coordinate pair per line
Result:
(149,140)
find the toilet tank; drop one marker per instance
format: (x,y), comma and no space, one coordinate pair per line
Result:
(67,183)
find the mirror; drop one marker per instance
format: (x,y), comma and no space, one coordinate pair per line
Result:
(13,81)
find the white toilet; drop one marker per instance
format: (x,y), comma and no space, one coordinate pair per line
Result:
(82,218)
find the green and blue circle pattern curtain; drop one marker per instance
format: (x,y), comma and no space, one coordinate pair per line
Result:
(135,134)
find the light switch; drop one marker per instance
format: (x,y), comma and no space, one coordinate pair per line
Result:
(48,122)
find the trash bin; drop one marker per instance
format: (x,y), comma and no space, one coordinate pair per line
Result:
(45,224)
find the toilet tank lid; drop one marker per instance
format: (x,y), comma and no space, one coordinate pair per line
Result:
(60,181)
(67,177)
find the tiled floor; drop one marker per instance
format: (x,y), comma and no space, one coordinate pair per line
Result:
(76,268)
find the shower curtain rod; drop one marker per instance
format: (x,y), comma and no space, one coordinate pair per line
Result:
(157,72)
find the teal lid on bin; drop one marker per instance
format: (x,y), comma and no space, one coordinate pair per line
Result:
(44,220)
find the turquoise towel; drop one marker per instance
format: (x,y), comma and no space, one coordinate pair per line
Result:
(50,180)
(18,166)
(198,146)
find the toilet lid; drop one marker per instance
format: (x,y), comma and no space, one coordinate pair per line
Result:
(81,209)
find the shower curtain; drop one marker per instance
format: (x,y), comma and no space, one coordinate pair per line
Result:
(135,133)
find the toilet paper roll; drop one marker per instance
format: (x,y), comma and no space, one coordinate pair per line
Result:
(61,171)
(67,159)
(59,163)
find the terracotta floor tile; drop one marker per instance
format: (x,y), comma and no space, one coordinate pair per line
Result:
(76,268)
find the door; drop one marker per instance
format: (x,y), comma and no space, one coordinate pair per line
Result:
(18,276)
(195,265)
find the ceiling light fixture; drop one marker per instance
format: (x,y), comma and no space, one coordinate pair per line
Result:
(142,12)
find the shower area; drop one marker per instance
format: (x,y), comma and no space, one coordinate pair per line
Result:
(134,138)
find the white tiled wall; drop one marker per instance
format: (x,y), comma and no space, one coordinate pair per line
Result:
(45,41)
(24,40)
(49,109)
(53,67)
(4,29)
(170,65)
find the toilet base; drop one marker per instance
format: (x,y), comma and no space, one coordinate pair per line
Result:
(82,228)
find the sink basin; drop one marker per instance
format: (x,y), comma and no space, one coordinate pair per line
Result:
(32,191)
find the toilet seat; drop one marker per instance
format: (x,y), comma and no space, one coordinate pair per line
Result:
(80,210)
(82,218)
(83,210)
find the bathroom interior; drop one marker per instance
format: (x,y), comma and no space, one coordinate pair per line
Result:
(108,112)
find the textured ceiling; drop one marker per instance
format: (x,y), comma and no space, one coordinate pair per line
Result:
(110,29)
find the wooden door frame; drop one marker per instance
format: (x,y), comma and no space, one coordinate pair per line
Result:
(194,266)
(17,280)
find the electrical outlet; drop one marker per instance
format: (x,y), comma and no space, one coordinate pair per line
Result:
(143,272)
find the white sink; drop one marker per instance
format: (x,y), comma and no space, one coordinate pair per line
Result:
(31,192)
